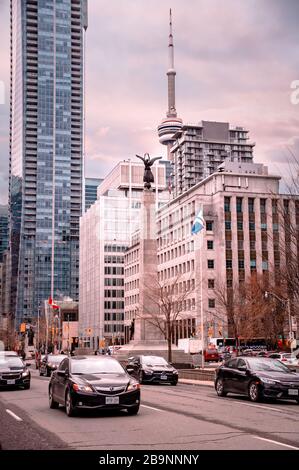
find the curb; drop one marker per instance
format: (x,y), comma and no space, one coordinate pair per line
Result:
(205,383)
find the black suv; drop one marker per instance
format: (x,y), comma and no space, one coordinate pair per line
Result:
(152,369)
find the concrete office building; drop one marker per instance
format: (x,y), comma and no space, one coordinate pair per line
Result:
(243,234)
(199,149)
(46,151)
(105,233)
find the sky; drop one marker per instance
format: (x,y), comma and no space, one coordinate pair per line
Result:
(235,62)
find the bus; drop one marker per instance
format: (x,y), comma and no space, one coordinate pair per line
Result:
(256,344)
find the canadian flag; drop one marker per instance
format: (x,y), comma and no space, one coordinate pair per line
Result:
(50,302)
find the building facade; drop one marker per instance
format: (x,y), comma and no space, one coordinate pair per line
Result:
(105,233)
(91,187)
(199,149)
(3,230)
(46,151)
(243,232)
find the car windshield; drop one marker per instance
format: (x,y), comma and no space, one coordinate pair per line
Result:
(11,362)
(56,359)
(96,366)
(154,361)
(268,365)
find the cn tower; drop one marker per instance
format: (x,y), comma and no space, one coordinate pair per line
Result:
(171,124)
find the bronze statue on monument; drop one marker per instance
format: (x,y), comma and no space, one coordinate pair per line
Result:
(148,176)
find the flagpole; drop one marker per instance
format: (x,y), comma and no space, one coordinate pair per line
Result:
(201,303)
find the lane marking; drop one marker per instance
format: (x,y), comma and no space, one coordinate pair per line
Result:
(275,442)
(263,407)
(152,408)
(17,418)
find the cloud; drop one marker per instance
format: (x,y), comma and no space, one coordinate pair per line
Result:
(235,61)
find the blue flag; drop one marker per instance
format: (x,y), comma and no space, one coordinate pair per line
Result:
(198,223)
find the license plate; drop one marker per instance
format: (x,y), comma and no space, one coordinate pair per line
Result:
(293,392)
(11,382)
(112,400)
(163,377)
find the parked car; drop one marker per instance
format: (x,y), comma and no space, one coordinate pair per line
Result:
(14,372)
(211,355)
(287,358)
(152,369)
(49,363)
(258,378)
(93,382)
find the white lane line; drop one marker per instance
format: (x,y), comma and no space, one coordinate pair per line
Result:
(17,418)
(264,407)
(152,408)
(275,442)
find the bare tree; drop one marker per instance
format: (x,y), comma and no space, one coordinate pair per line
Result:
(170,299)
(249,313)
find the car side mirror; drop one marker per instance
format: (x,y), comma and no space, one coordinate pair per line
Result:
(130,370)
(28,364)
(63,373)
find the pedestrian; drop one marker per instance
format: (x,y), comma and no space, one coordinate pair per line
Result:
(23,354)
(96,353)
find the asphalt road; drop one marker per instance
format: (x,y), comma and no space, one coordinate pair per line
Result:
(186,417)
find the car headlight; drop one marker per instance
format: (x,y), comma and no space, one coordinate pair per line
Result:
(133,386)
(269,381)
(25,373)
(83,388)
(148,371)
(175,371)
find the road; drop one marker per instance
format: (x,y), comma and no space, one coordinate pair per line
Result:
(186,417)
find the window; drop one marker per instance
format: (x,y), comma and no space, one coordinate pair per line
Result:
(241,264)
(265,265)
(210,244)
(263,206)
(228,244)
(229,264)
(210,264)
(228,225)
(211,283)
(239,225)
(275,227)
(211,303)
(239,204)
(251,226)
(227,204)
(263,227)
(209,225)
(250,205)
(229,283)
(253,263)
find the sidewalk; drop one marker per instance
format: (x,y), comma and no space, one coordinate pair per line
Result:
(207,383)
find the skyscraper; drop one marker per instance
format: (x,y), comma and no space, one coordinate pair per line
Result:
(91,187)
(46,150)
(171,124)
(3,230)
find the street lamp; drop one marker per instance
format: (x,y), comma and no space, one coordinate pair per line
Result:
(288,308)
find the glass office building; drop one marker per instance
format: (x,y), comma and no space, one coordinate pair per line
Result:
(46,150)
(91,187)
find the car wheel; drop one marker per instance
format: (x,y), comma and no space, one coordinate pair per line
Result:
(133,411)
(254,392)
(69,408)
(52,403)
(297,400)
(220,388)
(173,383)
(27,386)
(140,375)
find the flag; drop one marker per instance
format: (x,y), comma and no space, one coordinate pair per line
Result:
(198,223)
(51,303)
